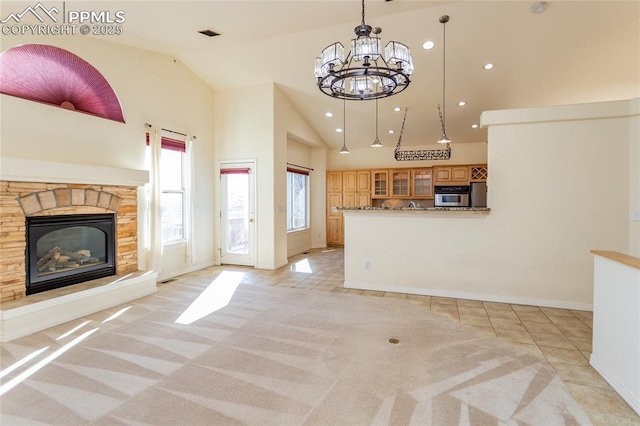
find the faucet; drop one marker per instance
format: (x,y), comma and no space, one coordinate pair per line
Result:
(412,205)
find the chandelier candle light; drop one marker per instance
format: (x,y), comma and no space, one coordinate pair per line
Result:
(364,73)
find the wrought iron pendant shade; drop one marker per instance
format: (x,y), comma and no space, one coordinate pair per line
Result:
(365,72)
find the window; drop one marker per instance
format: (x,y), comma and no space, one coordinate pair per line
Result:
(172,198)
(297,199)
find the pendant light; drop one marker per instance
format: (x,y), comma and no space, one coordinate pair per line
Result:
(344,149)
(444,139)
(376,143)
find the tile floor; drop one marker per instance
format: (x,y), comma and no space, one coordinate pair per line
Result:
(561,336)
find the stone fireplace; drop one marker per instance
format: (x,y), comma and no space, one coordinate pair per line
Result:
(68,243)
(20,201)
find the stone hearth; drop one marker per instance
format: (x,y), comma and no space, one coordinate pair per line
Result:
(39,188)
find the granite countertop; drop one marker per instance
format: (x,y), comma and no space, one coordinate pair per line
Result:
(417,209)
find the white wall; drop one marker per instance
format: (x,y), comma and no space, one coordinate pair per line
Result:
(244,131)
(371,158)
(558,188)
(634,177)
(300,155)
(257,122)
(305,148)
(152,88)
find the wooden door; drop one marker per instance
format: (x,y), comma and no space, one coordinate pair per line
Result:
(334,181)
(350,181)
(460,175)
(364,181)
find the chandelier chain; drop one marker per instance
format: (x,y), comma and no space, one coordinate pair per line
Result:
(441,120)
(402,128)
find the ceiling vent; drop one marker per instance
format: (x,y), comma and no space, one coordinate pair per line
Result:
(209,33)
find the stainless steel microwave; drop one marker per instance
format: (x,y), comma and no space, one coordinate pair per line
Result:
(452,196)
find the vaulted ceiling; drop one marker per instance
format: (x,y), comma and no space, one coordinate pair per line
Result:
(573,52)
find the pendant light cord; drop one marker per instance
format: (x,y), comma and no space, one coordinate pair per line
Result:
(376,119)
(363,13)
(344,123)
(444,49)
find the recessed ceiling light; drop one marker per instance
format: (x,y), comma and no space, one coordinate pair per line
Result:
(428,45)
(396,109)
(474,126)
(339,130)
(539,6)
(462,103)
(391,132)
(328,114)
(488,66)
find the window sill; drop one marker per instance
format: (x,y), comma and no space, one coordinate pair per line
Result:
(296,231)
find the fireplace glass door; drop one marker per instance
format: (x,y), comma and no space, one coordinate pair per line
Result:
(64,250)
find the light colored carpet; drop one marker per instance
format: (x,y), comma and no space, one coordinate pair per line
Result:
(277,356)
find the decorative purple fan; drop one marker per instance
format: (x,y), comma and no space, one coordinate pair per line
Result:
(55,76)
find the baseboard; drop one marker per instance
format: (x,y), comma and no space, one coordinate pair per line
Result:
(25,316)
(187,270)
(486,297)
(623,391)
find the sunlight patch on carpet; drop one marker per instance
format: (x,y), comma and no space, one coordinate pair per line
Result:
(216,296)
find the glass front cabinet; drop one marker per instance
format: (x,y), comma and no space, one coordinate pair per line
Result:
(380,180)
(422,183)
(400,183)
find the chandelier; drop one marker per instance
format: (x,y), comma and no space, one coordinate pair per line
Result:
(364,73)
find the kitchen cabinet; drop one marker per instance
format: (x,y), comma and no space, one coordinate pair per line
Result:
(380,183)
(399,183)
(334,181)
(478,173)
(422,183)
(334,218)
(349,188)
(452,175)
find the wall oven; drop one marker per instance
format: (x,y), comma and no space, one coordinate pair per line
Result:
(452,196)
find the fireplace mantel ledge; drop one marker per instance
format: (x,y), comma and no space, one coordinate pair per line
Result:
(27,170)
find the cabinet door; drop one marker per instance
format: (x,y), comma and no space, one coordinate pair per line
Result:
(350,181)
(364,199)
(380,179)
(334,230)
(364,180)
(422,183)
(443,174)
(334,181)
(400,183)
(334,218)
(350,199)
(460,174)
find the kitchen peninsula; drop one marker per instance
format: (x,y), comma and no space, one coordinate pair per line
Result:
(395,189)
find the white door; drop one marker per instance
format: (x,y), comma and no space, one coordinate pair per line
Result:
(237,219)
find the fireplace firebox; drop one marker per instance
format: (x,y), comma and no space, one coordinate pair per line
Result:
(69,249)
